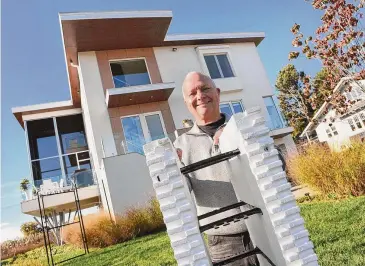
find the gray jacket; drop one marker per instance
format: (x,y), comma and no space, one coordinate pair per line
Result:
(211,186)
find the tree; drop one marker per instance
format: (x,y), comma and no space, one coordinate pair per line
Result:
(30,228)
(294,98)
(338,43)
(321,88)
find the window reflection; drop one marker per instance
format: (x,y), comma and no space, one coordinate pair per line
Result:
(72,133)
(133,134)
(42,139)
(275,120)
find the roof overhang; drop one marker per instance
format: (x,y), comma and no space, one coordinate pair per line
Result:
(281,132)
(125,96)
(96,31)
(19,112)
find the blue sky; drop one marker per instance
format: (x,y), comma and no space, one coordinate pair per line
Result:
(33,64)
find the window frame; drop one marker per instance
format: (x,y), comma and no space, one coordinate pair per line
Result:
(144,125)
(129,59)
(283,124)
(229,102)
(60,154)
(218,64)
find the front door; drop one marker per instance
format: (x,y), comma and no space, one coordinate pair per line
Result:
(141,129)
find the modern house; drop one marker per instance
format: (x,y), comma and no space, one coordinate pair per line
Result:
(338,130)
(125,75)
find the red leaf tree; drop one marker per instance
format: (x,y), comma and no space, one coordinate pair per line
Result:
(339,44)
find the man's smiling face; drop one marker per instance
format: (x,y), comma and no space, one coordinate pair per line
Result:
(201,97)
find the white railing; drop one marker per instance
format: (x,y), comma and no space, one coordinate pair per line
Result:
(81,178)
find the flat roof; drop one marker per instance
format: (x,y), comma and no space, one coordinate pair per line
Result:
(40,108)
(97,31)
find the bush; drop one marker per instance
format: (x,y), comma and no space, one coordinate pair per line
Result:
(11,248)
(102,232)
(340,173)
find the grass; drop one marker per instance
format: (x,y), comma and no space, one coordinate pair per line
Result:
(337,229)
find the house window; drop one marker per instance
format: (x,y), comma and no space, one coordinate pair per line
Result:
(230,108)
(362,117)
(141,129)
(218,66)
(130,73)
(329,134)
(351,123)
(357,121)
(275,119)
(334,130)
(355,94)
(57,148)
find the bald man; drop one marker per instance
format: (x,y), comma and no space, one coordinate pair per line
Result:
(211,187)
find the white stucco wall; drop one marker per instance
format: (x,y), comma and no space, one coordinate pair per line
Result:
(129,182)
(96,119)
(343,128)
(250,83)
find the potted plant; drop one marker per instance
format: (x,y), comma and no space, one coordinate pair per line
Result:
(25,187)
(187,123)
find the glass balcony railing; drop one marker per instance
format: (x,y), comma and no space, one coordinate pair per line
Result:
(81,178)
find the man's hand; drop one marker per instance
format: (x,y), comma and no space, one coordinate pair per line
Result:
(179,154)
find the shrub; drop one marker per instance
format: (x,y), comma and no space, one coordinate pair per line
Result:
(102,232)
(11,248)
(340,173)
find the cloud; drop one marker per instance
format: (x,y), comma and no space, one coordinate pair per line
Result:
(10,232)
(3,225)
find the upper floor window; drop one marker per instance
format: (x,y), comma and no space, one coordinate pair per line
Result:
(275,119)
(129,73)
(355,94)
(355,122)
(230,108)
(218,66)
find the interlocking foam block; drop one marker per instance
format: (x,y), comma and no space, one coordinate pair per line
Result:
(176,204)
(259,180)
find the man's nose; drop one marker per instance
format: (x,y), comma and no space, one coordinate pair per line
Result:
(200,95)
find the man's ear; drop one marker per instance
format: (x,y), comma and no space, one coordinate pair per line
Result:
(219,91)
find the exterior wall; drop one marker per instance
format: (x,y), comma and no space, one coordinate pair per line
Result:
(250,83)
(129,188)
(290,146)
(96,117)
(103,58)
(343,128)
(117,113)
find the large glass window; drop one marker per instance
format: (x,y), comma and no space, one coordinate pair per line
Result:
(230,108)
(275,119)
(140,129)
(218,66)
(42,139)
(129,73)
(72,134)
(45,142)
(133,134)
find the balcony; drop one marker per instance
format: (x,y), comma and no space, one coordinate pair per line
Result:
(130,95)
(88,191)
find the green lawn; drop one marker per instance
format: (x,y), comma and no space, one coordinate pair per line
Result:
(337,230)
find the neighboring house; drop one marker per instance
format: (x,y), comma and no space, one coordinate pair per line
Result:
(338,130)
(125,77)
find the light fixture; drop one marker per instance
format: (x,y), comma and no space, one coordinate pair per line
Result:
(174,49)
